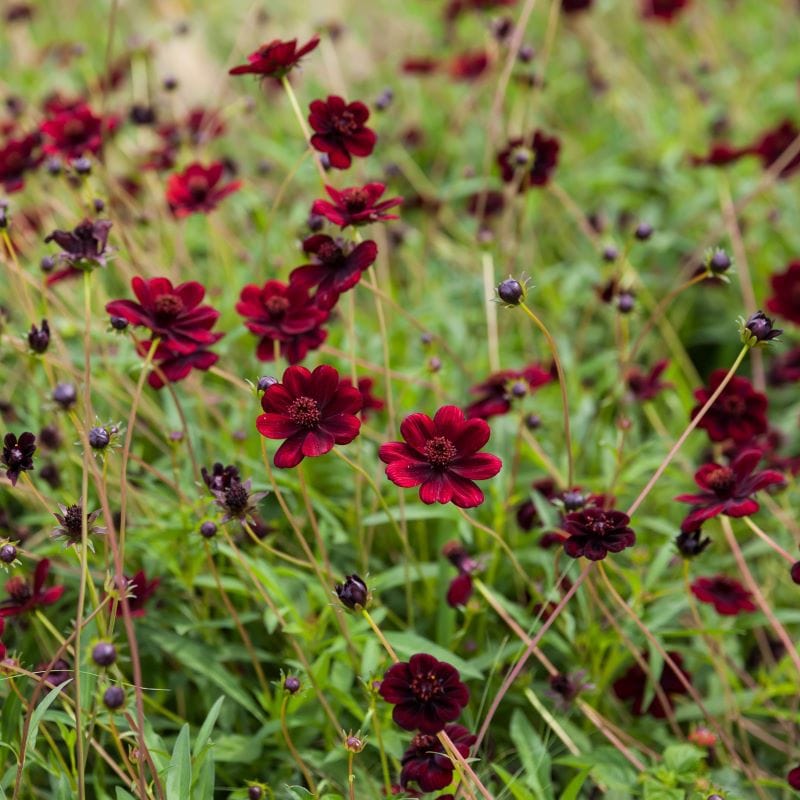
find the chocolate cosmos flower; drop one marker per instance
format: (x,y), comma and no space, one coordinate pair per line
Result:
(530,161)
(785,298)
(340,130)
(594,533)
(85,247)
(25,596)
(633,686)
(356,205)
(275,59)
(18,454)
(727,595)
(18,156)
(426,763)
(76,131)
(738,413)
(196,190)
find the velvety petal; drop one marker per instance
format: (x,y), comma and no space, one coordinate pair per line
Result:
(437,488)
(740,507)
(417,429)
(696,517)
(746,462)
(277,399)
(51,595)
(297,381)
(191,293)
(449,421)
(595,550)
(130,311)
(362,143)
(343,427)
(40,575)
(290,453)
(324,383)
(466,494)
(408,474)
(479,466)
(394,451)
(317,443)
(276,426)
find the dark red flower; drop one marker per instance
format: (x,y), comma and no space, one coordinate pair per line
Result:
(469,66)
(419,65)
(85,248)
(793,778)
(721,154)
(337,266)
(496,392)
(645,386)
(340,130)
(426,693)
(173,314)
(18,454)
(460,590)
(664,10)
(426,763)
(169,367)
(139,590)
(573,6)
(275,59)
(527,515)
(772,144)
(486,204)
(785,298)
(75,131)
(203,125)
(356,205)
(739,413)
(530,161)
(284,313)
(633,686)
(785,368)
(595,532)
(312,411)
(368,400)
(18,156)
(727,490)
(727,595)
(24,596)
(440,455)
(196,189)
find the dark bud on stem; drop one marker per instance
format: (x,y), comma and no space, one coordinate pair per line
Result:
(39,338)
(104,654)
(511,292)
(114,697)
(8,554)
(65,394)
(255,793)
(533,421)
(99,438)
(265,381)
(794,571)
(118,323)
(758,328)
(292,684)
(82,165)
(353,593)
(610,253)
(691,543)
(644,230)
(625,302)
(47,264)
(208,530)
(718,261)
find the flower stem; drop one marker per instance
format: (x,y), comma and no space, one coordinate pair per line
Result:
(293,750)
(306,132)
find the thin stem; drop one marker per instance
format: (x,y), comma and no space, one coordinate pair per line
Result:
(379,633)
(293,750)
(768,539)
(306,132)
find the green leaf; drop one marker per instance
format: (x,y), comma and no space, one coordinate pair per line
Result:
(179,773)
(533,755)
(574,787)
(123,795)
(407,643)
(683,758)
(38,715)
(513,784)
(204,734)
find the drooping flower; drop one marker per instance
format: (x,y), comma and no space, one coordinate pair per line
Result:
(633,686)
(691,543)
(85,248)
(496,393)
(237,500)
(312,411)
(353,592)
(646,385)
(785,298)
(197,189)
(739,413)
(468,66)
(340,130)
(663,10)
(728,490)
(727,595)
(75,131)
(460,589)
(356,205)
(24,596)
(426,763)
(18,454)
(18,156)
(529,161)
(275,59)
(173,314)
(595,532)
(138,590)
(440,455)
(426,693)
(336,267)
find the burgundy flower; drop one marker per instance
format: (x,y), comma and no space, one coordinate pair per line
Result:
(368,400)
(275,59)
(664,10)
(340,130)
(727,595)
(738,413)
(785,298)
(18,454)
(530,161)
(284,313)
(573,6)
(645,386)
(419,65)
(173,314)
(337,266)
(75,131)
(426,763)
(527,515)
(460,590)
(793,778)
(772,144)
(220,477)
(721,154)
(139,590)
(785,368)
(633,686)
(727,490)
(203,125)
(486,204)
(469,66)
(169,367)
(196,190)
(18,156)
(595,532)
(440,455)
(85,247)
(312,411)
(495,394)
(25,596)
(356,205)
(426,693)
(58,672)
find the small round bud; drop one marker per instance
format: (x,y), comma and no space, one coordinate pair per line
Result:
(625,302)
(99,438)
(104,654)
(208,529)
(691,543)
(47,264)
(533,421)
(758,327)
(65,394)
(384,100)
(170,83)
(255,793)
(426,338)
(8,553)
(291,684)
(353,593)
(82,165)
(315,222)
(54,166)
(99,205)
(526,54)
(610,253)
(118,323)
(718,261)
(434,363)
(519,389)
(644,230)
(39,338)
(573,499)
(794,571)
(510,291)
(114,697)
(264,167)
(265,381)
(354,744)
(522,156)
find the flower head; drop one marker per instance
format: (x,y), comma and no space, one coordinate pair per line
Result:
(18,156)
(727,595)
(275,59)
(494,395)
(633,686)
(75,131)
(785,369)
(646,385)
(356,205)
(353,592)
(663,10)
(70,525)
(440,455)
(340,130)
(220,477)
(426,693)
(312,411)
(426,763)
(85,247)
(138,590)
(24,596)
(757,329)
(529,161)
(237,500)
(691,543)
(738,413)
(18,454)
(197,189)
(728,490)
(595,532)
(772,145)
(785,298)
(170,367)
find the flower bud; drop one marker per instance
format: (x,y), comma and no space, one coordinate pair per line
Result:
(8,553)
(104,654)
(39,338)
(291,684)
(208,529)
(758,328)
(114,697)
(99,438)
(644,230)
(65,394)
(511,292)
(353,593)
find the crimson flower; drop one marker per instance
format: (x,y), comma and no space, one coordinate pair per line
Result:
(18,156)
(469,66)
(530,161)
(75,131)
(85,247)
(284,313)
(196,189)
(496,392)
(727,595)
(169,367)
(720,154)
(460,590)
(174,314)
(772,144)
(275,59)
(440,455)
(646,385)
(595,532)
(727,490)
(368,400)
(426,693)
(738,413)
(356,205)
(426,763)
(664,10)
(139,590)
(337,266)
(793,778)
(785,298)
(340,130)
(312,411)
(24,596)
(18,454)
(633,686)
